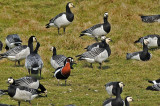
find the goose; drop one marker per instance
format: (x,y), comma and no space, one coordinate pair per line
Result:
(30,82)
(63,72)
(127,100)
(12,41)
(141,55)
(151,18)
(154,40)
(58,60)
(22,93)
(98,30)
(111,88)
(34,62)
(155,86)
(62,20)
(19,52)
(1,45)
(6,105)
(115,101)
(96,45)
(98,54)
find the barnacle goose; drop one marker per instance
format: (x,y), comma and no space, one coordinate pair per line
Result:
(22,93)
(127,100)
(34,62)
(151,18)
(6,105)
(58,60)
(154,40)
(12,41)
(141,55)
(30,82)
(155,86)
(111,88)
(63,72)
(62,20)
(19,52)
(98,54)
(115,101)
(1,45)
(96,45)
(99,29)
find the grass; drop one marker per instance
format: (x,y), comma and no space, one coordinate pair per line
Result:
(85,85)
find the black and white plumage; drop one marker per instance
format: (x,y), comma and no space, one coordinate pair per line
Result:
(127,100)
(12,41)
(30,82)
(1,46)
(151,18)
(155,86)
(98,54)
(141,55)
(6,105)
(115,101)
(19,52)
(34,62)
(62,20)
(96,45)
(98,30)
(111,88)
(154,40)
(22,93)
(58,60)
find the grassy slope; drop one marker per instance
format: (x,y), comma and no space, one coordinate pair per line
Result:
(86,85)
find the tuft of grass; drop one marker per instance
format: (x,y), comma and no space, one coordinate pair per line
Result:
(85,86)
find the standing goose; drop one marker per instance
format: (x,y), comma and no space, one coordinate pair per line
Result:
(30,82)
(154,40)
(63,72)
(96,45)
(19,52)
(98,54)
(111,88)
(99,29)
(34,62)
(12,41)
(141,55)
(127,100)
(22,93)
(115,101)
(1,45)
(155,86)
(151,18)
(58,60)
(62,20)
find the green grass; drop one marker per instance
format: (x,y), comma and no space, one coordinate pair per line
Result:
(85,85)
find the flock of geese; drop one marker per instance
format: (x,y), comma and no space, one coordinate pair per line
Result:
(27,88)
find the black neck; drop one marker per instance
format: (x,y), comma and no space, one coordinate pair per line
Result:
(42,88)
(118,92)
(37,47)
(54,52)
(30,44)
(126,102)
(145,48)
(105,19)
(68,10)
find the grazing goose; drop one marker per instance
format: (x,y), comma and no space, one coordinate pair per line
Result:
(154,40)
(34,62)
(99,29)
(19,52)
(58,60)
(1,45)
(96,45)
(111,88)
(22,93)
(6,105)
(63,72)
(155,86)
(127,100)
(30,82)
(115,101)
(151,18)
(12,41)
(141,55)
(62,20)
(98,54)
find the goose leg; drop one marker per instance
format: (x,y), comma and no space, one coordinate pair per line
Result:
(91,65)
(15,63)
(58,31)
(58,82)
(100,65)
(29,71)
(64,29)
(40,74)
(65,82)
(30,103)
(18,62)
(19,103)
